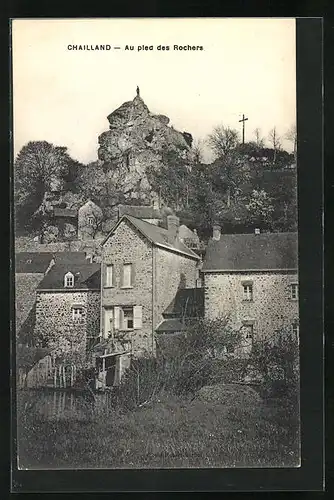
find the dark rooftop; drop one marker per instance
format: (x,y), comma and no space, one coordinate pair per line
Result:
(141,212)
(86,275)
(187,303)
(266,251)
(32,262)
(64,212)
(170,325)
(38,262)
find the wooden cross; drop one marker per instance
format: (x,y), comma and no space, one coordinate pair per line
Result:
(243,128)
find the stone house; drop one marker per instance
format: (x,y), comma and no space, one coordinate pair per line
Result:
(143,267)
(90,218)
(68,307)
(253,278)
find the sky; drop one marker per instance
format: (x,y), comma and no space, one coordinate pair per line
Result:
(64,96)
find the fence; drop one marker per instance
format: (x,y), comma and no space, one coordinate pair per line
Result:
(47,373)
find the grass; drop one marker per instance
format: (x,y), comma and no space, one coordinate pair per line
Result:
(170,433)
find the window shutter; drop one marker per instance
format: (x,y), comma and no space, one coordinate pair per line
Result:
(133,274)
(117,318)
(113,276)
(122,275)
(137,317)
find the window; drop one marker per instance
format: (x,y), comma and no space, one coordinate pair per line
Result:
(90,220)
(127,323)
(69,280)
(247,291)
(127,317)
(295,329)
(294,291)
(127,275)
(109,276)
(77,314)
(248,331)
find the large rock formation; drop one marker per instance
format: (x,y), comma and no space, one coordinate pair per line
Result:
(135,142)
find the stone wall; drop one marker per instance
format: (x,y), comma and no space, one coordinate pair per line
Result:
(173,271)
(127,245)
(271,308)
(55,326)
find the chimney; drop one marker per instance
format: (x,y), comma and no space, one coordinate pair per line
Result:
(257,230)
(216,232)
(173,223)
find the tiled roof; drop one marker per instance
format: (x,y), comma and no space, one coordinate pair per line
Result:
(236,252)
(65,258)
(156,234)
(64,212)
(188,303)
(170,325)
(38,262)
(32,262)
(85,276)
(141,212)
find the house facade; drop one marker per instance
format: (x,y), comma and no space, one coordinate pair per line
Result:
(253,279)
(143,266)
(67,308)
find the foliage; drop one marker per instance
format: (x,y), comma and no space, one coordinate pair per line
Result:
(39,167)
(223,140)
(260,208)
(278,361)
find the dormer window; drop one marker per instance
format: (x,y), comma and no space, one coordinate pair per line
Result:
(90,220)
(69,280)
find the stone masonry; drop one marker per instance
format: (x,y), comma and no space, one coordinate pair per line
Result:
(158,274)
(271,308)
(54,325)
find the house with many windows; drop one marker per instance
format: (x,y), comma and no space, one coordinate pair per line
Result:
(253,279)
(143,267)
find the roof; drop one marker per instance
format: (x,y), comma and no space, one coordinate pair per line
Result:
(64,212)
(241,252)
(188,302)
(141,212)
(32,262)
(86,275)
(157,235)
(170,325)
(67,258)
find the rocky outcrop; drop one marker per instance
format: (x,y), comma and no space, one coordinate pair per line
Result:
(134,143)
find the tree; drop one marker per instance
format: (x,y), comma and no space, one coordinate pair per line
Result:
(223,140)
(258,139)
(275,141)
(260,208)
(291,136)
(39,167)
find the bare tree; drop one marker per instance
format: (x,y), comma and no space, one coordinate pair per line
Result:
(197,150)
(275,141)
(291,136)
(223,140)
(258,139)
